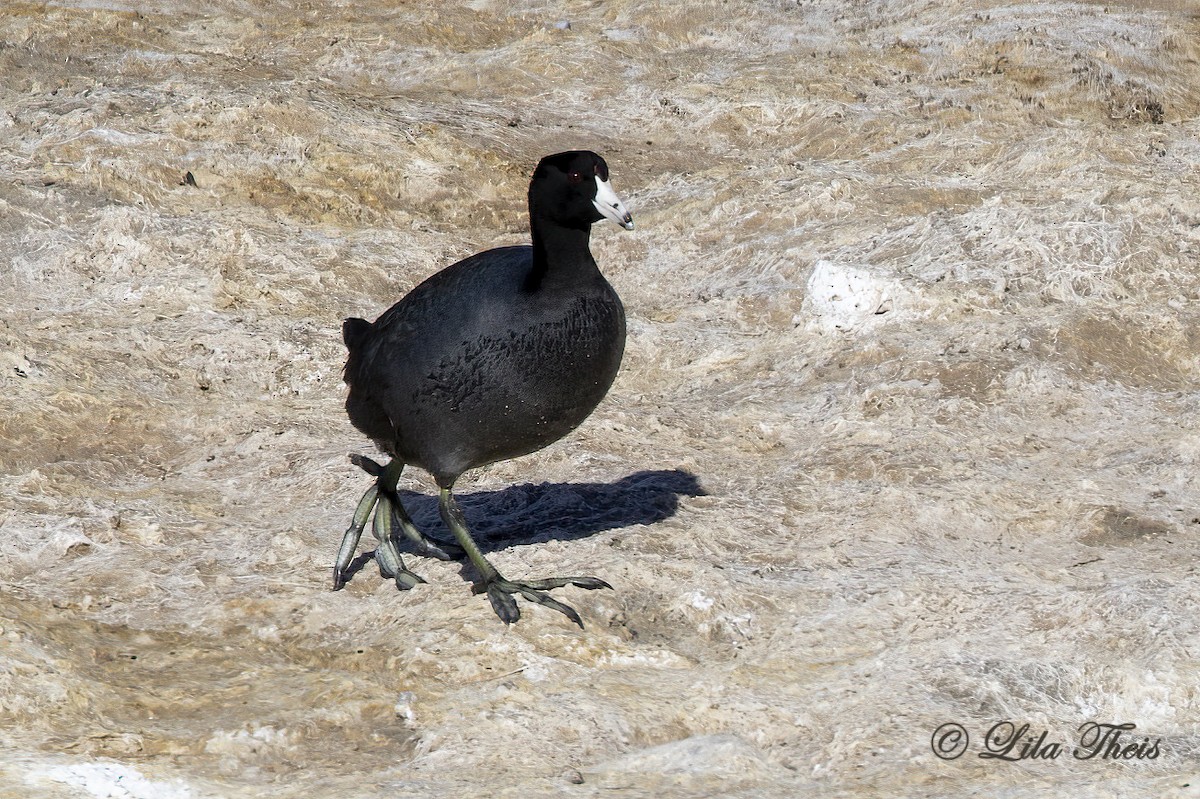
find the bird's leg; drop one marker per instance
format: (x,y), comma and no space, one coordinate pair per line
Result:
(387,554)
(499,590)
(353,534)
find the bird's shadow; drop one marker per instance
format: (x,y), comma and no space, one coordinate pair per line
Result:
(532,514)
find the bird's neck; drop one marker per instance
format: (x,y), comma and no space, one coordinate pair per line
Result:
(560,256)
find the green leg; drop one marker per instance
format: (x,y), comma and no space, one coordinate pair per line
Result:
(387,554)
(353,534)
(499,590)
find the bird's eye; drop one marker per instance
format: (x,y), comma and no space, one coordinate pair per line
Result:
(574,176)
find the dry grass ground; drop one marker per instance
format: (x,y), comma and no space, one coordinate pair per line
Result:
(907,431)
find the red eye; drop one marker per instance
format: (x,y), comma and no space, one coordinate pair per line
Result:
(575,176)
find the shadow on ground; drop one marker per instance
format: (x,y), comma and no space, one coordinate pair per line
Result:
(532,514)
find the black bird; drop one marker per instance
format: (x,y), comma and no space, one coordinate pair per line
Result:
(491,358)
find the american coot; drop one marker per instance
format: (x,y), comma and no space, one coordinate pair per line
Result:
(494,357)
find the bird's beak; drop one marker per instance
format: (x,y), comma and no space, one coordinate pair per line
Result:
(609,204)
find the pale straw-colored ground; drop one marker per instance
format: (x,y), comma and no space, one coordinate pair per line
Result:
(907,432)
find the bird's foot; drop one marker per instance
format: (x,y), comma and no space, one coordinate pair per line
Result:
(368,465)
(442,550)
(499,590)
(387,554)
(500,593)
(362,514)
(391,567)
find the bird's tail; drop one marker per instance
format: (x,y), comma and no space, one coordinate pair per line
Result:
(354,332)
